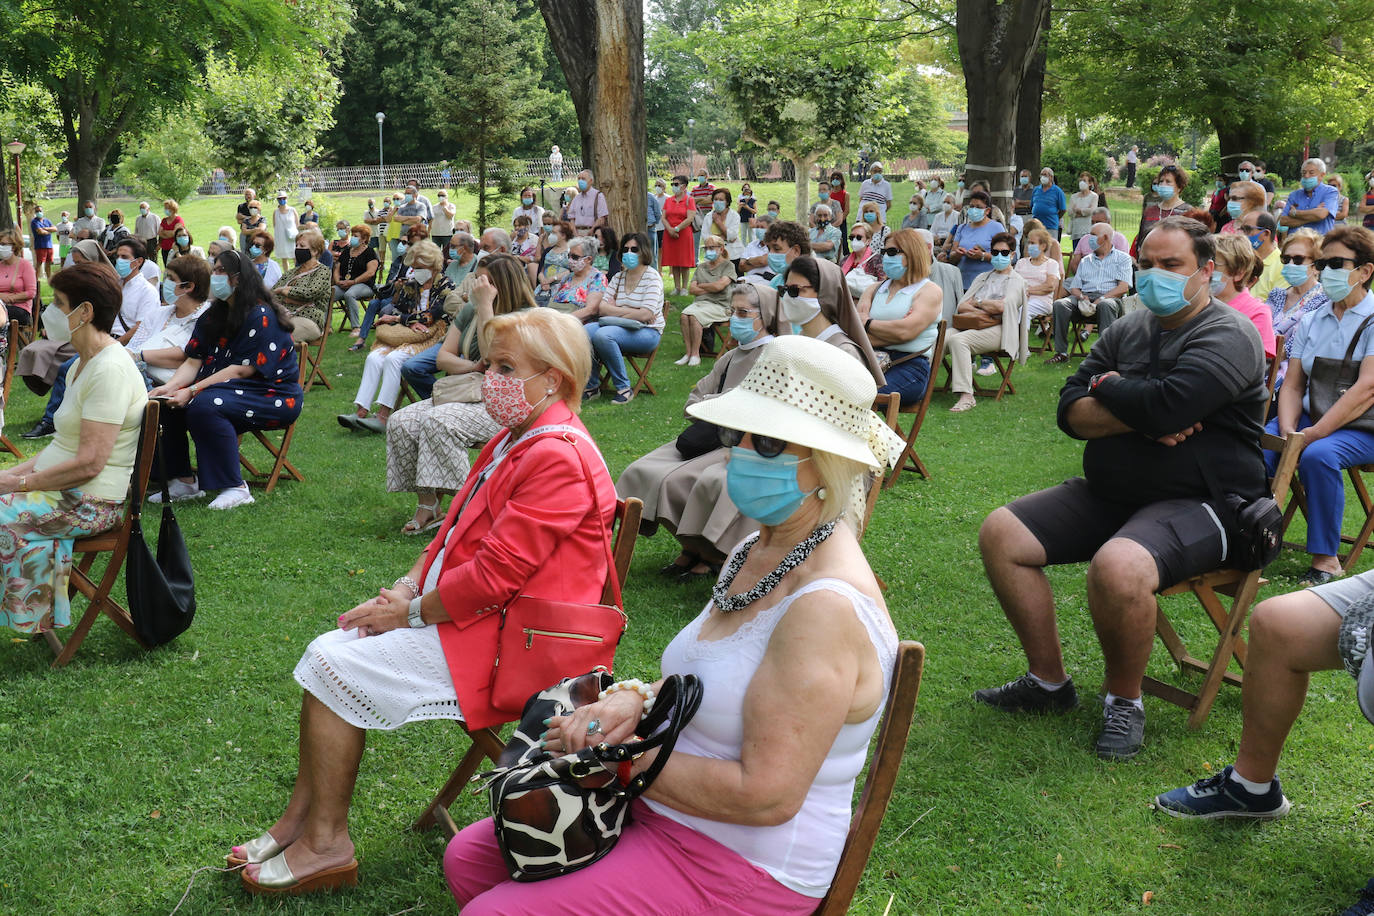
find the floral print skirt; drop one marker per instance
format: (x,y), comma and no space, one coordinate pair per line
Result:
(37,531)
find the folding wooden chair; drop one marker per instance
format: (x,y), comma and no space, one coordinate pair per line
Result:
(486,742)
(116,544)
(1242,587)
(890,406)
(880,781)
(10,357)
(1043,329)
(316,356)
(641,366)
(278,451)
(724,342)
(1275,361)
(1004,363)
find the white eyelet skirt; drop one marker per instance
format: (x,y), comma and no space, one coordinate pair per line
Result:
(382,681)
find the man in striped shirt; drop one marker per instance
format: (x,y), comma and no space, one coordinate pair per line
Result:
(701,196)
(876,189)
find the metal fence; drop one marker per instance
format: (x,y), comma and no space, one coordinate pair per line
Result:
(325,179)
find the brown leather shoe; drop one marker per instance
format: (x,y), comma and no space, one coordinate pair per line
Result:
(1057,359)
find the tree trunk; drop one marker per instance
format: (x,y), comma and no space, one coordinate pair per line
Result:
(7,219)
(997,41)
(600,44)
(1238,142)
(1029,106)
(801,165)
(481,188)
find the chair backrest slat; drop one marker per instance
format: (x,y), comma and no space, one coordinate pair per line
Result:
(881,779)
(143,461)
(627,516)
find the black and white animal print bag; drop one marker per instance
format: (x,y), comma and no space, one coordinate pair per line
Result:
(555,813)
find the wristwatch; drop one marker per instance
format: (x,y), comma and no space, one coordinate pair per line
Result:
(1096,380)
(415,618)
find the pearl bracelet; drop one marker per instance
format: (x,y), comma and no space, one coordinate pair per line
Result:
(408,583)
(635,684)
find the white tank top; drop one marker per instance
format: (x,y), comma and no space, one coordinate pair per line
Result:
(802,853)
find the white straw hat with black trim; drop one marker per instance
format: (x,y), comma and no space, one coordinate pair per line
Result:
(810,393)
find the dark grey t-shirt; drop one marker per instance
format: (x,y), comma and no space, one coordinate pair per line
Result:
(1211,371)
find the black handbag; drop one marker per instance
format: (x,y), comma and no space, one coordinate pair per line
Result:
(700,437)
(555,814)
(161,589)
(1332,378)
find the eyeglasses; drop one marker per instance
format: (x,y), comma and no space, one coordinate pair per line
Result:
(766,446)
(1298,259)
(795,291)
(857,238)
(1324,263)
(892,252)
(676,186)
(1001,251)
(628,249)
(745,313)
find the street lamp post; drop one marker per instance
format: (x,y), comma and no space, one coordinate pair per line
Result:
(691,146)
(14,148)
(381,160)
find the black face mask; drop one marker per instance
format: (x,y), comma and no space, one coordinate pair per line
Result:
(303,255)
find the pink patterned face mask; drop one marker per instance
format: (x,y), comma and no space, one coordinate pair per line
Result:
(504,398)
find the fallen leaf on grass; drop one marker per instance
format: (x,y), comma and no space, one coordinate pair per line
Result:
(156,814)
(1059,860)
(1147,898)
(953,868)
(1169,846)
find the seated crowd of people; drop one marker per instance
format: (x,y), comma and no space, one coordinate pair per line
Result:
(504,337)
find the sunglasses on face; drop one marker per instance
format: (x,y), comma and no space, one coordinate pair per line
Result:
(629,248)
(858,239)
(1298,259)
(1001,251)
(766,446)
(796,291)
(892,252)
(1337,263)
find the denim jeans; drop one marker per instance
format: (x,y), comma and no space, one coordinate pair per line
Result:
(609,342)
(908,379)
(1319,469)
(419,371)
(59,390)
(378,306)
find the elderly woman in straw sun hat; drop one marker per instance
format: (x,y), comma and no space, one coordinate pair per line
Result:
(796,648)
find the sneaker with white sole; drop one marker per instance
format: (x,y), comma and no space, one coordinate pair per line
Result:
(1123,730)
(1220,796)
(623,396)
(232,497)
(178,490)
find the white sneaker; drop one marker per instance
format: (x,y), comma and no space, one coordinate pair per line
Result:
(232,497)
(681,362)
(179,491)
(989,369)
(694,361)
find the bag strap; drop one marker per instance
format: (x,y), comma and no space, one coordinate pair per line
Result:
(136,506)
(601,525)
(1355,339)
(677,702)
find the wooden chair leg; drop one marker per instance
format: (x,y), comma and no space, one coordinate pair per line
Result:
(486,745)
(1221,658)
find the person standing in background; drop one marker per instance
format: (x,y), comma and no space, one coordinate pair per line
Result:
(146,226)
(556,163)
(41,233)
(840,208)
(1132,160)
(441,228)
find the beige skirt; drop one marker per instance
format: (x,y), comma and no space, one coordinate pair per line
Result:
(708,312)
(39,361)
(687,497)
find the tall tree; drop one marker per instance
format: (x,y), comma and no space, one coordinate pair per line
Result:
(107,68)
(483,115)
(998,40)
(600,44)
(26,115)
(1154,65)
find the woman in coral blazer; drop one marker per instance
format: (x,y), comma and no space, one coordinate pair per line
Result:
(525,523)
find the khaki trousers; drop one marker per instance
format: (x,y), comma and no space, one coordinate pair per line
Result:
(962,347)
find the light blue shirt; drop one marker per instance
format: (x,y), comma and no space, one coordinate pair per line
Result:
(1047,204)
(1321,334)
(654,211)
(970,237)
(829,234)
(1098,275)
(892,305)
(1323,195)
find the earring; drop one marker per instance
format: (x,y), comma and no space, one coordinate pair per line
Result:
(821,493)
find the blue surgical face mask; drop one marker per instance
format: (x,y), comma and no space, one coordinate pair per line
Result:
(1244,174)
(1025,180)
(1218,284)
(1032,251)
(527,201)
(1163,291)
(870,217)
(410,198)
(1255,240)
(719,206)
(219,286)
(764,489)
(90,211)
(581,184)
(824,195)
(630,260)
(1295,274)
(758,234)
(123,267)
(169,292)
(1165,191)
(1000,261)
(710,254)
(777,263)
(975,214)
(1336,282)
(1310,182)
(400,247)
(742,329)
(1234,208)
(255,250)
(894,266)
(354,241)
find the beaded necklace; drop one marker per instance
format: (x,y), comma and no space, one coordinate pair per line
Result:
(726,603)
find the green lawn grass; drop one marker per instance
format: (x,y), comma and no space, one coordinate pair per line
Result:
(128,770)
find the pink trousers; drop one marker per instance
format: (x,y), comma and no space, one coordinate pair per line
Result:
(659,868)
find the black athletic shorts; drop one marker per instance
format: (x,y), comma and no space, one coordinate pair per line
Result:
(1186,537)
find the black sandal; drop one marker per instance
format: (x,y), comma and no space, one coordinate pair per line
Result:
(1315,576)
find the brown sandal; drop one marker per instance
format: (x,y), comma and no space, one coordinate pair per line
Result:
(276,878)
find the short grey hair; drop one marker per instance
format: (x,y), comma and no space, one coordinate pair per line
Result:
(500,236)
(587,244)
(1103,212)
(768,216)
(824,212)
(465,239)
(1319,163)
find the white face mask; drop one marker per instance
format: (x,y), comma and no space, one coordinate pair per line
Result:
(421,275)
(6,252)
(57,324)
(800,309)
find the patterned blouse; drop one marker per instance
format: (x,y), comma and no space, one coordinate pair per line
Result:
(260,342)
(571,291)
(414,305)
(1285,324)
(315,285)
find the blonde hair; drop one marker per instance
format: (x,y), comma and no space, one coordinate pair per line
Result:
(1042,238)
(1309,236)
(1253,192)
(844,480)
(312,239)
(1234,255)
(549,338)
(916,252)
(870,205)
(171,205)
(426,253)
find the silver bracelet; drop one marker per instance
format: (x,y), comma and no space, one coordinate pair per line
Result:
(408,583)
